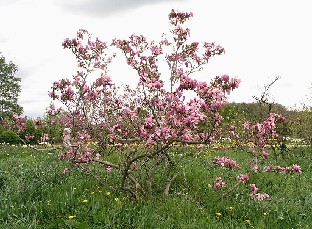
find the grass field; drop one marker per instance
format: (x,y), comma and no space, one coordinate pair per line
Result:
(35,194)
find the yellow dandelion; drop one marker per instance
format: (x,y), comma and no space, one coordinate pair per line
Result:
(117,200)
(231,208)
(107,193)
(71,217)
(264,213)
(247,221)
(85,201)
(218,214)
(92,193)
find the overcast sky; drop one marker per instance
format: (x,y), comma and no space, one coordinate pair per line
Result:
(263,39)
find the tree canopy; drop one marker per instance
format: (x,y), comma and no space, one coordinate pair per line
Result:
(9,89)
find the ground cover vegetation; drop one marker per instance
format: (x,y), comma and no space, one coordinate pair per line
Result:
(154,156)
(34,193)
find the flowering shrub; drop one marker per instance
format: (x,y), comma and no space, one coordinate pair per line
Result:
(140,125)
(258,137)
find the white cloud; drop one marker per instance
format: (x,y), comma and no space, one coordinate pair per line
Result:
(104,8)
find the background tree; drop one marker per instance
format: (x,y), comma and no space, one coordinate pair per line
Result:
(9,89)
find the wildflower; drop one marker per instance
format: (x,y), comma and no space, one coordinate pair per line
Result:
(71,217)
(117,200)
(85,201)
(265,214)
(218,214)
(247,221)
(231,208)
(108,193)
(92,193)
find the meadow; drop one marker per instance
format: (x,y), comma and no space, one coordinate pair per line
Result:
(34,193)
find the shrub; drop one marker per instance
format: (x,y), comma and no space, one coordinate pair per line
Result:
(9,136)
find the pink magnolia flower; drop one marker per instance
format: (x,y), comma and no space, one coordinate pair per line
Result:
(296,168)
(225,78)
(255,168)
(45,137)
(219,183)
(265,155)
(109,169)
(254,189)
(242,178)
(97,156)
(226,162)
(262,196)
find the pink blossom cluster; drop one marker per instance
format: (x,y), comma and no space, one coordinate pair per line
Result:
(219,183)
(52,111)
(85,155)
(19,122)
(263,132)
(44,138)
(258,196)
(226,162)
(39,123)
(242,178)
(29,137)
(289,169)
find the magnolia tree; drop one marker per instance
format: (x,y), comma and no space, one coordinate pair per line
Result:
(140,125)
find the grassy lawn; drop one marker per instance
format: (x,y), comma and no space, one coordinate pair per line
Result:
(35,194)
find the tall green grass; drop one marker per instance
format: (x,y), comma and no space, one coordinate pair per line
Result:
(35,194)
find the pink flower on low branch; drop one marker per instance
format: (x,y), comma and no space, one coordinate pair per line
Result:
(290,169)
(242,178)
(109,169)
(97,156)
(265,155)
(219,183)
(254,189)
(258,196)
(226,162)
(262,196)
